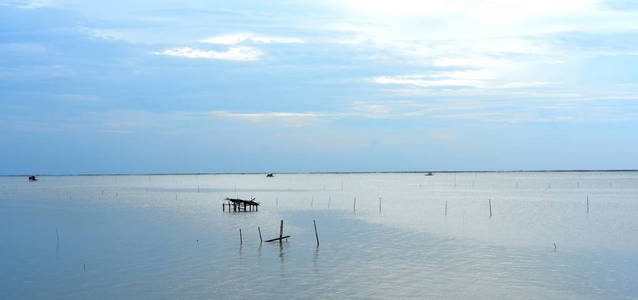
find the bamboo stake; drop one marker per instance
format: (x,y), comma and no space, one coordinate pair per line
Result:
(316,235)
(260,239)
(241,240)
(490,201)
(354,204)
(281,230)
(446,208)
(587,203)
(379,204)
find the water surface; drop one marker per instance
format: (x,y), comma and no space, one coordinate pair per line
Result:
(166,237)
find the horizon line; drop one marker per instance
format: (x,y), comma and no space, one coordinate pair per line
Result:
(330,172)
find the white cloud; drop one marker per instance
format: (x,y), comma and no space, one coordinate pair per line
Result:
(518,85)
(289,119)
(464,62)
(265,115)
(416,81)
(234,53)
(468,78)
(237,38)
(28,4)
(489,10)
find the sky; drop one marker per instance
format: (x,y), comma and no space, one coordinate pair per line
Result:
(167,86)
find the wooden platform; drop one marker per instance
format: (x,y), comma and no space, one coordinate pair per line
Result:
(240,205)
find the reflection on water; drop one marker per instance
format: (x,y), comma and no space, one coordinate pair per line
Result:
(551,236)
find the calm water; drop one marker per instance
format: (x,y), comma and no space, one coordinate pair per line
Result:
(166,237)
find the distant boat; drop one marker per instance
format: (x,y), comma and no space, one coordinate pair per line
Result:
(270,175)
(32,178)
(428,174)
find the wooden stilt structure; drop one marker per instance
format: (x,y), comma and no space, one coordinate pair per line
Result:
(239,205)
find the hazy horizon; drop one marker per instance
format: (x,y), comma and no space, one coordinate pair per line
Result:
(330,172)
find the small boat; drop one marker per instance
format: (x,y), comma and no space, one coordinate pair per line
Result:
(32,178)
(428,174)
(270,175)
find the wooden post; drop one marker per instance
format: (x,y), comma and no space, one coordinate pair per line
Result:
(587,203)
(490,201)
(379,204)
(281,230)
(316,235)
(241,240)
(354,204)
(446,208)
(260,239)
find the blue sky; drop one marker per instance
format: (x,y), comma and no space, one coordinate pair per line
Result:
(251,86)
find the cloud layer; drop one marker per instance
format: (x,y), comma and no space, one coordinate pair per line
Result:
(386,75)
(233,53)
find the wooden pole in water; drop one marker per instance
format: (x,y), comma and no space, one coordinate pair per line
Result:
(446,208)
(587,203)
(241,240)
(260,239)
(490,201)
(316,235)
(354,204)
(379,204)
(281,230)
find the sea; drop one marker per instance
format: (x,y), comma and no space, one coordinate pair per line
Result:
(451,235)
